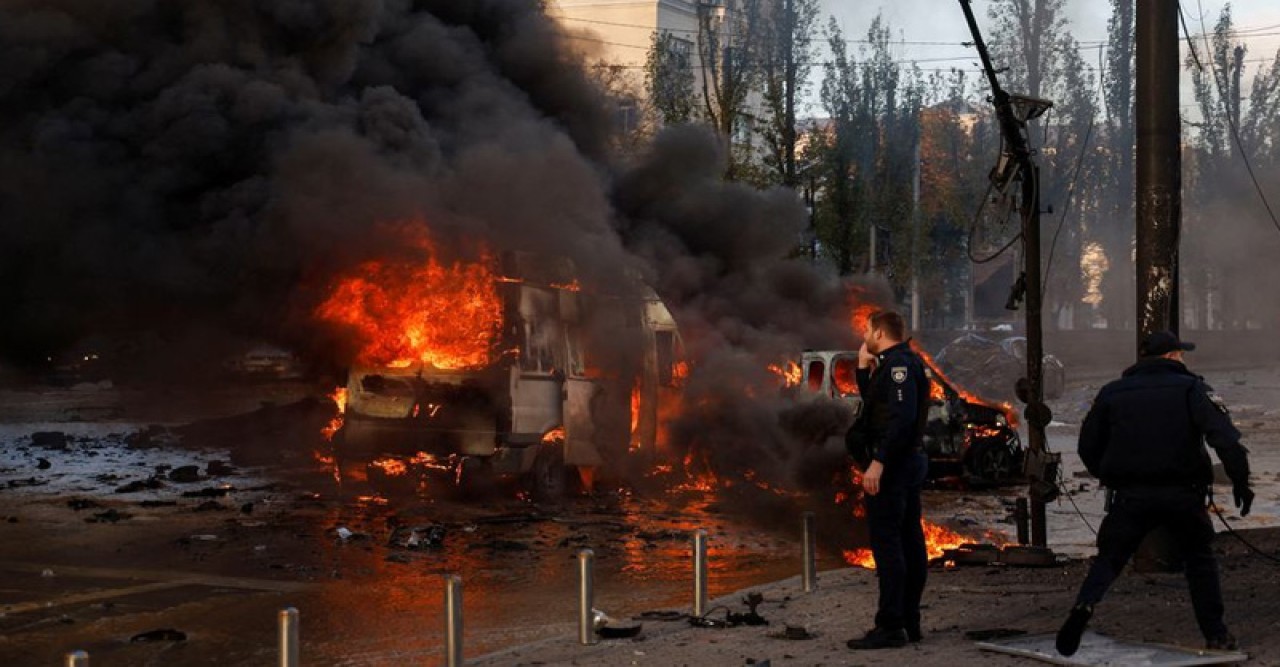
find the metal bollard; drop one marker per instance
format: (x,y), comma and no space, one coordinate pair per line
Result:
(809,575)
(586,597)
(289,637)
(452,620)
(77,659)
(699,573)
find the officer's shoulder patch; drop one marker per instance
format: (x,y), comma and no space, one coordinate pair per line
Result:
(898,373)
(1218,403)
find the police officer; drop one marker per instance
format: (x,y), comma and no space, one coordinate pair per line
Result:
(1144,439)
(895,407)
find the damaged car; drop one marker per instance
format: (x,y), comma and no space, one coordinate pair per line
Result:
(966,437)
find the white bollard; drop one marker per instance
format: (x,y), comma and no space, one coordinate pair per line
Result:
(452,620)
(810,550)
(699,573)
(77,659)
(289,637)
(586,597)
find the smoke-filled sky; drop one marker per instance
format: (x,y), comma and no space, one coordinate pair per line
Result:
(171,165)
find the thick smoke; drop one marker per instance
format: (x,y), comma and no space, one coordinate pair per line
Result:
(203,169)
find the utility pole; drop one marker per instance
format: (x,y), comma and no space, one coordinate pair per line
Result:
(1159,192)
(1016,163)
(1159,165)
(915,225)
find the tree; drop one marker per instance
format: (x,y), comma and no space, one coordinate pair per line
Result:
(867,155)
(728,44)
(786,54)
(669,79)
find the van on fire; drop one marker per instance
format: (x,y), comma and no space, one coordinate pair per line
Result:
(548,404)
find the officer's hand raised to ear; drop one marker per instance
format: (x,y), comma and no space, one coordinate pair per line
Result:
(1244,498)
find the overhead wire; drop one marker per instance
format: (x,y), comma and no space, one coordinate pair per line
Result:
(1231,123)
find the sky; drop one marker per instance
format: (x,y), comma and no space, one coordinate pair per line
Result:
(943,21)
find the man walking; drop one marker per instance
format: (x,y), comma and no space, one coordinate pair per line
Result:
(895,406)
(1144,439)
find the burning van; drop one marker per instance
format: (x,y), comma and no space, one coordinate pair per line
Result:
(966,436)
(523,390)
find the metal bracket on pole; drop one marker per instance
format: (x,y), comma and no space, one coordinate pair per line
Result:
(586,597)
(699,573)
(289,637)
(452,620)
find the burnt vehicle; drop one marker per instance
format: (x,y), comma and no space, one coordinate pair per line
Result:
(992,368)
(540,407)
(966,437)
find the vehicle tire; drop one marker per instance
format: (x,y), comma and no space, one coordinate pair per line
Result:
(477,477)
(991,462)
(549,478)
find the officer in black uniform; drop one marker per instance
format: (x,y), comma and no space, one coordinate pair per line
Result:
(888,439)
(1144,439)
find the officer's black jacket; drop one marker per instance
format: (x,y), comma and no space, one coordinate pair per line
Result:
(1149,427)
(895,403)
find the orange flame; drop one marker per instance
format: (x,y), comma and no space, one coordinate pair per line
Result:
(862,308)
(790,375)
(553,436)
(635,417)
(391,467)
(428,311)
(339,398)
(936,539)
(937,393)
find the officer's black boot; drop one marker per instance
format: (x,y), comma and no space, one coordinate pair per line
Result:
(1223,642)
(1071,631)
(878,638)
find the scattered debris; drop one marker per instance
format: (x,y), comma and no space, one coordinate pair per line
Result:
(794,633)
(43,464)
(397,557)
(185,474)
(619,631)
(110,516)
(78,504)
(418,537)
(208,492)
(210,506)
(30,481)
(217,468)
(246,508)
(158,503)
(204,538)
(47,573)
(55,440)
(161,635)
(149,484)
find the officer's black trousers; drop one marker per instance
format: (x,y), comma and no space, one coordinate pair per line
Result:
(897,541)
(1136,512)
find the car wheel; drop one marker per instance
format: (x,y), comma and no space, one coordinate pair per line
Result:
(548,478)
(991,463)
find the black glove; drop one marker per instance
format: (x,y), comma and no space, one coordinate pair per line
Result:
(1244,498)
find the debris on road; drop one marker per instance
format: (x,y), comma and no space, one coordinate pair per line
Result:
(160,635)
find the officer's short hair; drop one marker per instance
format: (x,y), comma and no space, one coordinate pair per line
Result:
(891,323)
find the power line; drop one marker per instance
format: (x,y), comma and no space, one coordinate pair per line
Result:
(1231,122)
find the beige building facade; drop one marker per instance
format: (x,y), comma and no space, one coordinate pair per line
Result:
(619,32)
